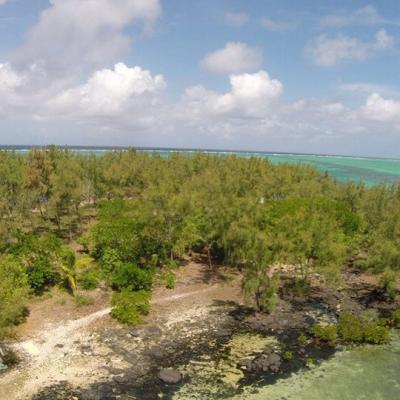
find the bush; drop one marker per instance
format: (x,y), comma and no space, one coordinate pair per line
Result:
(350,328)
(287,355)
(170,280)
(388,282)
(110,259)
(301,287)
(14,291)
(327,333)
(354,329)
(130,307)
(82,301)
(396,318)
(129,275)
(39,255)
(41,275)
(302,339)
(375,334)
(88,280)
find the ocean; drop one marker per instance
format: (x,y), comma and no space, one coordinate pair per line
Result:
(369,170)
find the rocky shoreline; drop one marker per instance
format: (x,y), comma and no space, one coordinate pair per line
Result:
(158,360)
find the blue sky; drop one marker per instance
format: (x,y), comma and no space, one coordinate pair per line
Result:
(301,76)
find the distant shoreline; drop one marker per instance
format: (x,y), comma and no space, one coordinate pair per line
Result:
(193,150)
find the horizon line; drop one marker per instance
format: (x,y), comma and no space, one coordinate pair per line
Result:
(183,149)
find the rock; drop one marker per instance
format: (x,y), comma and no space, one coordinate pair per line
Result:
(152,330)
(245,364)
(134,332)
(274,361)
(119,379)
(263,363)
(155,351)
(224,333)
(168,375)
(3,366)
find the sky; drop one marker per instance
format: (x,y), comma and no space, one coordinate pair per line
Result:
(290,75)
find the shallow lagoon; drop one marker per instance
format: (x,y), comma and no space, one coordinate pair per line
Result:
(364,373)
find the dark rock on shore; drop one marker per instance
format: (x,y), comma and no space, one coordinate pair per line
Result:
(171,376)
(3,366)
(262,363)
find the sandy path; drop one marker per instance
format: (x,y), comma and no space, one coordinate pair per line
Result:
(53,335)
(45,355)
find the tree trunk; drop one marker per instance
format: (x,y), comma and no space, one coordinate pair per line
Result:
(209,256)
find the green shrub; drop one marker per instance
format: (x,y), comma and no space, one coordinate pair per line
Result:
(110,259)
(396,318)
(350,328)
(14,291)
(388,282)
(39,255)
(301,287)
(375,334)
(170,280)
(41,275)
(130,307)
(327,333)
(287,355)
(88,280)
(129,275)
(82,301)
(361,329)
(84,241)
(310,361)
(302,339)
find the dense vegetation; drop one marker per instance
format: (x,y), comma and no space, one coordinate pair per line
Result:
(136,215)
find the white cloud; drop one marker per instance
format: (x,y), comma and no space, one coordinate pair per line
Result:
(275,25)
(250,97)
(236,19)
(327,52)
(380,109)
(367,15)
(363,88)
(74,35)
(50,84)
(11,83)
(235,57)
(9,79)
(3,2)
(109,92)
(332,108)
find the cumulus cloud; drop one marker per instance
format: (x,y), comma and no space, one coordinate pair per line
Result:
(61,77)
(72,39)
(250,97)
(327,52)
(236,19)
(380,109)
(9,79)
(74,35)
(10,83)
(109,92)
(367,15)
(234,58)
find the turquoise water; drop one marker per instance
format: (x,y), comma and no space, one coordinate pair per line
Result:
(363,373)
(358,169)
(366,373)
